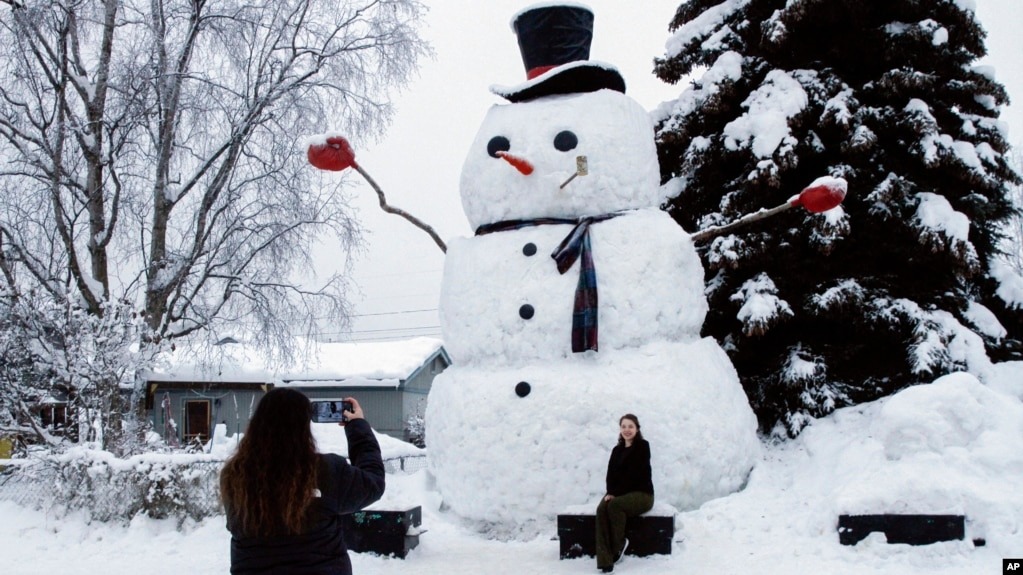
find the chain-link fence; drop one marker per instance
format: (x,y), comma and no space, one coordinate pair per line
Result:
(22,487)
(108,489)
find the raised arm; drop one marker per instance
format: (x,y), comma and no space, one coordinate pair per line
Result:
(362,482)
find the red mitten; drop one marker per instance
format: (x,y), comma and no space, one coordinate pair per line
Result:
(335,155)
(822,195)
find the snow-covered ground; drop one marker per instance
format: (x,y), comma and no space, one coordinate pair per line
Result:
(952,447)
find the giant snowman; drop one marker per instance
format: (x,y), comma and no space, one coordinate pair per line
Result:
(574,304)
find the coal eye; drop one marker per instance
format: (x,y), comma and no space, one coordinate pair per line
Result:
(498,144)
(565,141)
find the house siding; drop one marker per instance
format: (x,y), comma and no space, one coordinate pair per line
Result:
(228,405)
(382,407)
(233,403)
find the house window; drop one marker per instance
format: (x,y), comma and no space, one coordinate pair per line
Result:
(54,415)
(197,420)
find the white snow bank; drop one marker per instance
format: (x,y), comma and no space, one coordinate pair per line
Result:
(951,447)
(330,438)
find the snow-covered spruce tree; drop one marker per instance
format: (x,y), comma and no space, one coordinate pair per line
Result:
(899,285)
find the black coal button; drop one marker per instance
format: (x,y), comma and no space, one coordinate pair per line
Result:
(522,389)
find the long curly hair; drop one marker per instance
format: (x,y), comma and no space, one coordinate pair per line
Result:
(634,419)
(271,479)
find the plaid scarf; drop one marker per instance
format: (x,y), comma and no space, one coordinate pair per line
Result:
(575,246)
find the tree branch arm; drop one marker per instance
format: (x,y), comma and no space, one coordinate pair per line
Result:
(400,212)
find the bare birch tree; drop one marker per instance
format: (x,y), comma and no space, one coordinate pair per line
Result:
(150,166)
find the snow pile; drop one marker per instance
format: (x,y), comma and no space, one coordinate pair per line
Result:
(951,447)
(330,438)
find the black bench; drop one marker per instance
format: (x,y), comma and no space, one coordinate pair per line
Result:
(647,534)
(383,532)
(911,529)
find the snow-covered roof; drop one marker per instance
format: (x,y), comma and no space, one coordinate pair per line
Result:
(385,383)
(330,364)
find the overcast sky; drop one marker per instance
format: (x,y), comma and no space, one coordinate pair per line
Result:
(418,163)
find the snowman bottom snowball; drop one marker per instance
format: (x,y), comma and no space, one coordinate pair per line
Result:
(511,463)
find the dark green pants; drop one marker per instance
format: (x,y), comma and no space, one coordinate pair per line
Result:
(611,517)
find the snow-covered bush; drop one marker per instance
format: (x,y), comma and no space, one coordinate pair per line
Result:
(170,485)
(415,427)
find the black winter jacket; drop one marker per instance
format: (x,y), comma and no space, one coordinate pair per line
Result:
(344,489)
(628,469)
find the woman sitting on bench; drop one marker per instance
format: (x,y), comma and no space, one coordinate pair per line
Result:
(630,491)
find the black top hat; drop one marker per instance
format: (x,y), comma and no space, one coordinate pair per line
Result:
(554,40)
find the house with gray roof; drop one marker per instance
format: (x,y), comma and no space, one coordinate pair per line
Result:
(189,394)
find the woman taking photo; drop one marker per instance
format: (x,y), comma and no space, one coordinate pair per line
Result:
(630,491)
(284,500)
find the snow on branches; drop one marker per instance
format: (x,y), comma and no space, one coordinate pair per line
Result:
(761,307)
(941,227)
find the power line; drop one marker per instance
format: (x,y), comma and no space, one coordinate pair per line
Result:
(406,273)
(379,330)
(405,295)
(389,338)
(401,312)
(394,312)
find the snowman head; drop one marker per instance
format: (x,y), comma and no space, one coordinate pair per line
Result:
(571,112)
(524,152)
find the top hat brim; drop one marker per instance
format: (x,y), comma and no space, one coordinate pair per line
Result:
(572,78)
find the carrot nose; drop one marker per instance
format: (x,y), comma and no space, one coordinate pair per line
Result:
(520,164)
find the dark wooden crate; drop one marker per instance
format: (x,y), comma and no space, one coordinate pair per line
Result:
(382,532)
(647,535)
(911,529)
